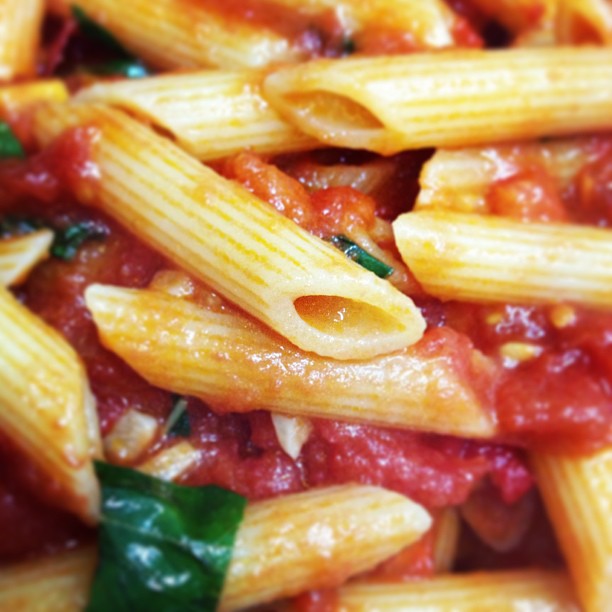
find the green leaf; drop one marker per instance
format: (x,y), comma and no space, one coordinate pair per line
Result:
(163,547)
(178,422)
(96,32)
(127,65)
(67,241)
(356,253)
(9,145)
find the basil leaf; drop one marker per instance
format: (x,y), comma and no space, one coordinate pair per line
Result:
(67,241)
(163,547)
(127,65)
(178,422)
(9,144)
(363,258)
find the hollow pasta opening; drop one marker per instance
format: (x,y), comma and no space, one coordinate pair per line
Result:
(344,317)
(336,111)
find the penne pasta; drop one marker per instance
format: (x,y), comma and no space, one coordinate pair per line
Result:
(283,546)
(186,34)
(212,114)
(577,492)
(57,583)
(46,407)
(461,179)
(20,23)
(18,256)
(317,539)
(15,98)
(389,104)
(584,22)
(508,591)
(491,259)
(430,25)
(232,363)
(302,287)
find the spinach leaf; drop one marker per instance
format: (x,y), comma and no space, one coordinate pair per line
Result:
(9,144)
(178,422)
(127,65)
(163,547)
(363,258)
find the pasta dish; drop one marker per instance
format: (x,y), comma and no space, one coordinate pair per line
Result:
(305,305)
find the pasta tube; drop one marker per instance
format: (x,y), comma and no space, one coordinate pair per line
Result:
(491,259)
(182,34)
(212,114)
(49,584)
(448,99)
(302,287)
(584,21)
(18,256)
(508,591)
(284,546)
(46,407)
(20,22)
(577,493)
(317,539)
(235,364)
(461,179)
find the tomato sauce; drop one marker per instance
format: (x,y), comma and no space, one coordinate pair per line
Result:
(561,395)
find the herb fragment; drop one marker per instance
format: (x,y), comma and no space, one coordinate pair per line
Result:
(67,240)
(363,258)
(178,422)
(163,547)
(127,65)
(9,144)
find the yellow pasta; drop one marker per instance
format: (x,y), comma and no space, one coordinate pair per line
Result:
(491,259)
(283,546)
(212,114)
(447,531)
(20,23)
(461,179)
(509,591)
(429,24)
(315,540)
(18,256)
(14,98)
(388,104)
(46,407)
(584,22)
(302,287)
(577,493)
(58,583)
(232,363)
(181,34)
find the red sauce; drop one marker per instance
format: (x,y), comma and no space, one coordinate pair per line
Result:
(562,395)
(529,195)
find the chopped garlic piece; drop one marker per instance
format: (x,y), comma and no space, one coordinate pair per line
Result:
(171,463)
(517,352)
(562,316)
(133,433)
(292,433)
